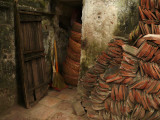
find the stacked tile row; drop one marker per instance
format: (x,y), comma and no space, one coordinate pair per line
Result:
(127,90)
(71,65)
(94,85)
(150,16)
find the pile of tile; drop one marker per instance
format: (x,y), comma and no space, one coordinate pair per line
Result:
(71,65)
(124,84)
(150,16)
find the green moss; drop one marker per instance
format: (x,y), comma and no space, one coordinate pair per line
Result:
(128,17)
(84,68)
(7,99)
(42,3)
(5,38)
(93,49)
(4,30)
(8,86)
(33,3)
(6,0)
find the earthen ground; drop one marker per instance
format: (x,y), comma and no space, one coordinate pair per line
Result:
(55,106)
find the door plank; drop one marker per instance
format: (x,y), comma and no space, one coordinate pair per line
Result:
(31,56)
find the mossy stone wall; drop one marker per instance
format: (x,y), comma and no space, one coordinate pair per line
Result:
(8,83)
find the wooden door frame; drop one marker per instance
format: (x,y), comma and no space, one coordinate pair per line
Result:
(20,52)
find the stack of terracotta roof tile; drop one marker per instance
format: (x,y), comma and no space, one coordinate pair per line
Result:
(124,84)
(150,16)
(128,89)
(72,64)
(94,86)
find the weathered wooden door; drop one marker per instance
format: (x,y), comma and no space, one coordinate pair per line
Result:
(31,56)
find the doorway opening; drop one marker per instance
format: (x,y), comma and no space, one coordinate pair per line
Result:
(69,39)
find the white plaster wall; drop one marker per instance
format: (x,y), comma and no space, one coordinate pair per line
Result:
(101,19)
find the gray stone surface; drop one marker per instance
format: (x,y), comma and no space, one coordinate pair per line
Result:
(8,83)
(78,108)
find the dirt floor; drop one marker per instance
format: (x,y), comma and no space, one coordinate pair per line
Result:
(55,106)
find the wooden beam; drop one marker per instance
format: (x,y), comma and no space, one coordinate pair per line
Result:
(33,51)
(36,13)
(26,59)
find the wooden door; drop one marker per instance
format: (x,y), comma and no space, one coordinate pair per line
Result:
(31,56)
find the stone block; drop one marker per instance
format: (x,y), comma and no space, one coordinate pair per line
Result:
(77,106)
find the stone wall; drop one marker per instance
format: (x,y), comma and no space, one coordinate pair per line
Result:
(43,5)
(102,20)
(8,83)
(55,27)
